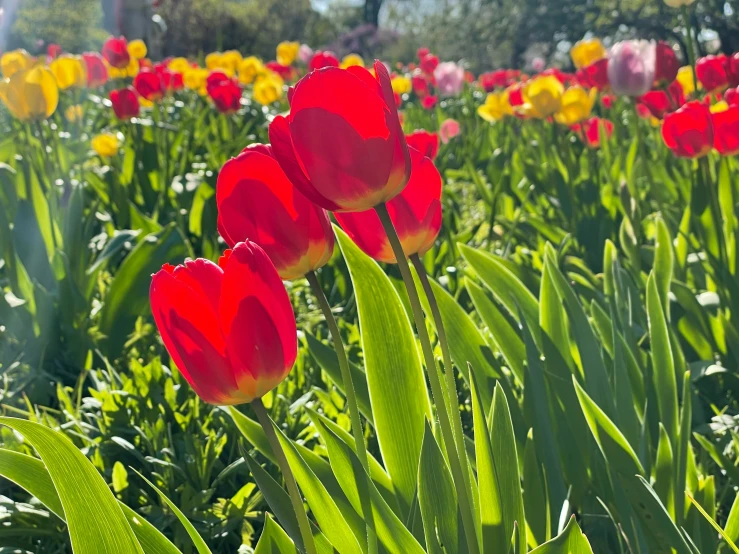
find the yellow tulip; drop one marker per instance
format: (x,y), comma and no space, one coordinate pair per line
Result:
(352,59)
(213,60)
(195,79)
(543,96)
(268,89)
(179,65)
(69,71)
(586,52)
(15,61)
(249,68)
(131,70)
(401,85)
(287,52)
(30,93)
(494,107)
(576,105)
(230,60)
(105,145)
(685,78)
(73,113)
(137,49)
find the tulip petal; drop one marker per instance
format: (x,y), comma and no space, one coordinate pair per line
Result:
(282,146)
(189,329)
(257,320)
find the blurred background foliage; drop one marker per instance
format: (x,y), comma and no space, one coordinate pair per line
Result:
(485,34)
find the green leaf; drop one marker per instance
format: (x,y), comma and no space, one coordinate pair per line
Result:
(661,531)
(391,532)
(467,346)
(715,525)
(127,297)
(663,368)
(506,287)
(731,530)
(684,449)
(437,498)
(197,540)
(326,358)
(505,457)
(504,336)
(664,477)
(495,533)
(95,519)
(279,502)
(397,385)
(616,449)
(274,540)
(330,518)
(570,541)
(536,502)
(31,474)
(663,263)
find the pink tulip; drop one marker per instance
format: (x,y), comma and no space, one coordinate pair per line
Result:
(449,78)
(448,130)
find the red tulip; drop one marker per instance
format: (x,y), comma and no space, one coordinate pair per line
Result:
(323,59)
(125,103)
(688,132)
(359,158)
(256,201)
(595,75)
(420,85)
(422,52)
(415,212)
(149,85)
(53,50)
(287,72)
(711,72)
(428,63)
(225,92)
(590,131)
(97,73)
(229,328)
(667,65)
(608,101)
(732,96)
(726,131)
(115,51)
(660,102)
(423,141)
(732,70)
(428,102)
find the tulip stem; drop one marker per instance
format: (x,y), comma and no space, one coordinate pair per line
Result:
(351,399)
(691,46)
(451,385)
(292,487)
(458,472)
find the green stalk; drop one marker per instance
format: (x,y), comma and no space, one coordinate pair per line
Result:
(451,385)
(458,472)
(351,399)
(292,487)
(690,45)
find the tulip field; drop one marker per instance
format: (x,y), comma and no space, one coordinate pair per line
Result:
(322,304)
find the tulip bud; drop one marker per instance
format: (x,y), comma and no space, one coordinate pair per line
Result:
(711,73)
(225,92)
(149,85)
(229,328)
(115,52)
(688,132)
(449,78)
(287,52)
(30,93)
(14,61)
(125,103)
(323,59)
(105,145)
(97,73)
(69,71)
(726,131)
(631,67)
(415,212)
(587,52)
(544,94)
(360,157)
(576,105)
(423,141)
(256,201)
(666,65)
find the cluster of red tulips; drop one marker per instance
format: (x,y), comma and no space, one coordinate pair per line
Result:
(229,327)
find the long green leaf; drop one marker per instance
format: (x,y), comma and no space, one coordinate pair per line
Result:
(274,540)
(31,474)
(570,541)
(94,517)
(189,527)
(397,385)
